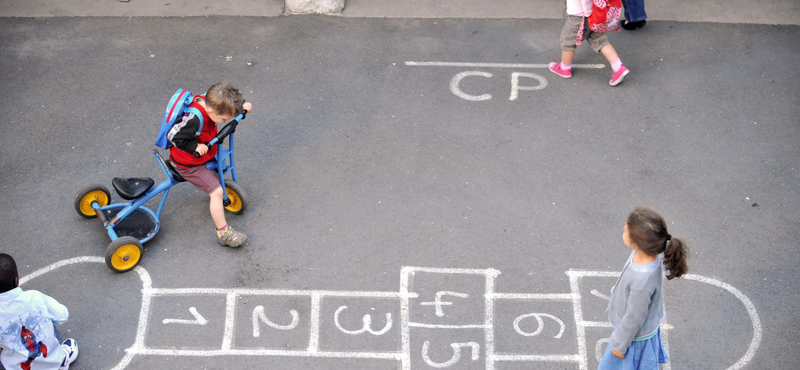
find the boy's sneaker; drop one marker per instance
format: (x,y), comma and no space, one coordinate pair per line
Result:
(556,68)
(618,75)
(231,237)
(70,347)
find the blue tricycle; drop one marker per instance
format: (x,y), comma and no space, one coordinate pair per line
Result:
(131,224)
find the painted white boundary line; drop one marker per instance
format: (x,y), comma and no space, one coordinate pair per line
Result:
(403,295)
(548,358)
(583,362)
(751,310)
(494,65)
(281,292)
(266,352)
(405,318)
(542,297)
(434,326)
(489,318)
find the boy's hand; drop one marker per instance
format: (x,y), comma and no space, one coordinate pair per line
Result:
(247,106)
(617,354)
(201,149)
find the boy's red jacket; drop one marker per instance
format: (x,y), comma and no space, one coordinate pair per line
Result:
(185,143)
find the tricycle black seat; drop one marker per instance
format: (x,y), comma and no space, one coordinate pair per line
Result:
(133,187)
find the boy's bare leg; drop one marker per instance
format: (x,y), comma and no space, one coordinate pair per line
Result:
(216,208)
(610,53)
(566,57)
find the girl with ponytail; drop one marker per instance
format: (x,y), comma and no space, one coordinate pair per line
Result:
(636,309)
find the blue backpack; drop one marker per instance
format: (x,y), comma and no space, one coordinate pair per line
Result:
(176,108)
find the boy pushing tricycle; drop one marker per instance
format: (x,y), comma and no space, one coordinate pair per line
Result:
(189,131)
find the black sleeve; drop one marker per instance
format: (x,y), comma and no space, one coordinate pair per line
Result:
(184,138)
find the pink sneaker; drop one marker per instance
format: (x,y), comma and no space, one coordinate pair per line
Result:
(618,75)
(556,68)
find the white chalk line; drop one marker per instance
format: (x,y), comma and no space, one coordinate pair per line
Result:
(444,270)
(751,311)
(442,326)
(494,65)
(230,314)
(405,341)
(583,362)
(665,342)
(535,296)
(313,337)
(545,358)
(58,264)
(489,321)
(272,292)
(265,352)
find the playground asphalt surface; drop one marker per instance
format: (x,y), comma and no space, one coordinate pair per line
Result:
(357,164)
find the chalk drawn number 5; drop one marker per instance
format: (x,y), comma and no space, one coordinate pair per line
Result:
(456,354)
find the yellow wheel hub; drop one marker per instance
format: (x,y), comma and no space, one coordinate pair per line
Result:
(125,257)
(236,202)
(93,196)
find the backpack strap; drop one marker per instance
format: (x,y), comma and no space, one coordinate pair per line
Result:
(199,116)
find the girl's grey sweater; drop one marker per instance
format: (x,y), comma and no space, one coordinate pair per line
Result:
(636,308)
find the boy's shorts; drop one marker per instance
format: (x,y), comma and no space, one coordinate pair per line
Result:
(569,35)
(201,177)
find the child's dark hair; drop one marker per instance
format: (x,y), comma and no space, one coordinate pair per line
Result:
(8,273)
(224,99)
(648,230)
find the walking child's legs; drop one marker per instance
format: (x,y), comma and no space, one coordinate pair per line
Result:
(566,57)
(217,209)
(609,52)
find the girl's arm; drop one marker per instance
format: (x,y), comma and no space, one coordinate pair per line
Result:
(635,314)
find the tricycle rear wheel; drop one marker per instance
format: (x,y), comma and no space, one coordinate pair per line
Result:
(89,194)
(123,254)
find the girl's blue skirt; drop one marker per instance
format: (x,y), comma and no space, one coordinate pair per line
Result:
(641,355)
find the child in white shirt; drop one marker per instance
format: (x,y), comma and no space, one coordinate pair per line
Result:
(576,27)
(28,337)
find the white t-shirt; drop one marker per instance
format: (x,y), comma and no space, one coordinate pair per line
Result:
(26,329)
(576,7)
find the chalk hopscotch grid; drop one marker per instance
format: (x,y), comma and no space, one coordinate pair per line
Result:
(404,296)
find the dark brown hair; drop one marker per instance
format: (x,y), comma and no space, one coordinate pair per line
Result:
(224,99)
(648,230)
(8,273)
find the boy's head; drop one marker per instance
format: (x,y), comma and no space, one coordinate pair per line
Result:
(223,102)
(8,273)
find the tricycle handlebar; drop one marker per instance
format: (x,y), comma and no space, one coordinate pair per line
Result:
(228,129)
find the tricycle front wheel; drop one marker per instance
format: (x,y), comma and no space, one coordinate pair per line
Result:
(88,195)
(237,197)
(123,254)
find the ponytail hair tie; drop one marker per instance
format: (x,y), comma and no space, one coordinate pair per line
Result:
(669,236)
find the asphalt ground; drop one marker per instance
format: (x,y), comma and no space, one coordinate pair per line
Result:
(357,164)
